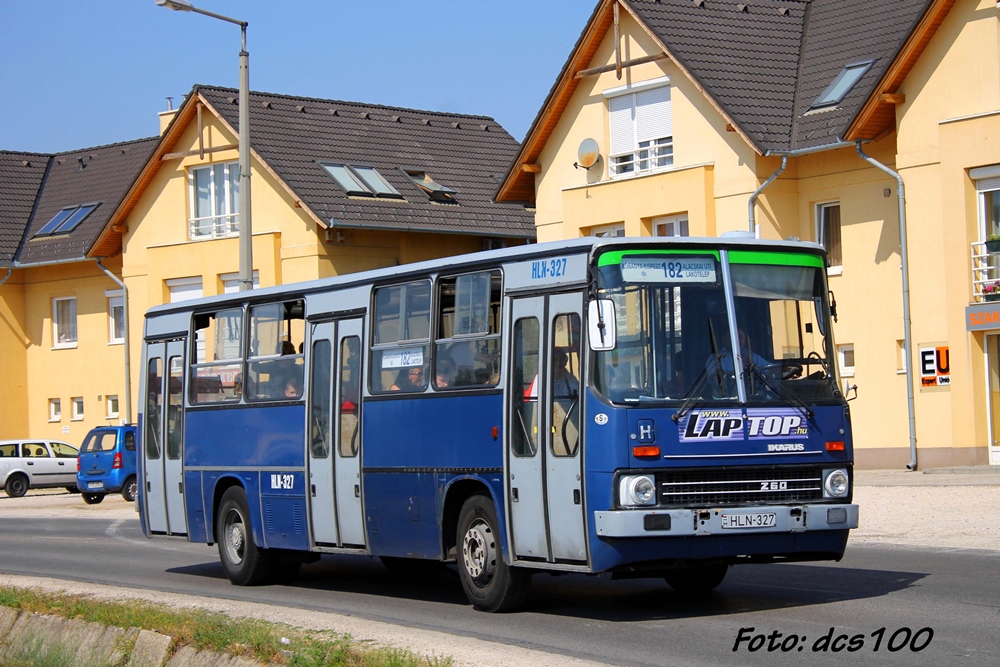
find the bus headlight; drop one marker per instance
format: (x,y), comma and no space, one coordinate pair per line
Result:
(835,483)
(636,490)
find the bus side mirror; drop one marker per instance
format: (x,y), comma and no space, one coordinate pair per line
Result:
(601,327)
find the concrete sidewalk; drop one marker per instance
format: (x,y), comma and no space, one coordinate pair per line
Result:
(956,476)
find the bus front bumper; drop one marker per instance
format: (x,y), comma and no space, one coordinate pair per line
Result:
(725,521)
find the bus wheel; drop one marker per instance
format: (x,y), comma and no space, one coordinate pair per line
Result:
(92,498)
(696,579)
(489,583)
(129,489)
(243,562)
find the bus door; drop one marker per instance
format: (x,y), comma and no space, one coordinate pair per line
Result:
(164,437)
(544,448)
(335,434)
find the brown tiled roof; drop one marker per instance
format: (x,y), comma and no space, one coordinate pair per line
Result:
(762,63)
(468,154)
(89,175)
(21,176)
(765,62)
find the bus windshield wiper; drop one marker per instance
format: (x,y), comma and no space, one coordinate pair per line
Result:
(780,391)
(689,397)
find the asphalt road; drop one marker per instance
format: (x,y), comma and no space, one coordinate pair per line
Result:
(944,602)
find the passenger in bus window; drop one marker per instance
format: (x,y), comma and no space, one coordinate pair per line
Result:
(293,388)
(564,383)
(409,379)
(445,373)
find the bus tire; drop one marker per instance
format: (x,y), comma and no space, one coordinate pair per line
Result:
(489,583)
(129,489)
(244,563)
(17,485)
(92,498)
(700,579)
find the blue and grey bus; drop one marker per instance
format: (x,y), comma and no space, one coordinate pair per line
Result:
(660,408)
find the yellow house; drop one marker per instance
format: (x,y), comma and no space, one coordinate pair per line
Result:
(337,187)
(871,128)
(62,338)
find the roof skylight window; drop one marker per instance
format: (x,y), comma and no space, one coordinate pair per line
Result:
(361,181)
(435,191)
(66,220)
(842,84)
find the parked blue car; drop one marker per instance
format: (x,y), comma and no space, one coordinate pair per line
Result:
(107,464)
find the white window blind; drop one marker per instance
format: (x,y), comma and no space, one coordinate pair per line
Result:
(653,117)
(622,126)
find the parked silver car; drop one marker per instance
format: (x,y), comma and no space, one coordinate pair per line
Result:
(37,464)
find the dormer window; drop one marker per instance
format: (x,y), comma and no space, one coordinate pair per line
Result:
(842,85)
(67,219)
(435,191)
(361,181)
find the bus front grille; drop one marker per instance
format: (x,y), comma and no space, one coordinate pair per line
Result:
(715,487)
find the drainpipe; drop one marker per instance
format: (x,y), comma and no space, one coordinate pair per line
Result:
(752,217)
(128,370)
(912,465)
(10,270)
(754,227)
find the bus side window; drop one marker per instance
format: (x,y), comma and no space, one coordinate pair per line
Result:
(524,388)
(401,345)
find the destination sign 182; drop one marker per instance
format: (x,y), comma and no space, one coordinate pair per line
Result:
(676,269)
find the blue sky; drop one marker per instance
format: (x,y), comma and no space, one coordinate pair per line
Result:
(82,73)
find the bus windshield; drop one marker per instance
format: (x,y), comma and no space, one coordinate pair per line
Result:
(675,343)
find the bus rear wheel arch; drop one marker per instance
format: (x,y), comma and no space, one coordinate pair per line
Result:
(488,582)
(244,563)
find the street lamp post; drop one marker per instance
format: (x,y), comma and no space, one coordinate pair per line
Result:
(246,229)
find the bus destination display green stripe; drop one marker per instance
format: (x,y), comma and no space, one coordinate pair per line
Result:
(774,258)
(614,257)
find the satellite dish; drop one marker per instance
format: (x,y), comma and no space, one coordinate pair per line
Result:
(588,154)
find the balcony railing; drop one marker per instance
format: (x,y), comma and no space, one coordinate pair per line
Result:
(985,271)
(213,227)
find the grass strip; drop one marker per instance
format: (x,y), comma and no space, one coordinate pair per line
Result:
(267,642)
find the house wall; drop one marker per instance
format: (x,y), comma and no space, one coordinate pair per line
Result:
(713,174)
(13,360)
(92,370)
(949,123)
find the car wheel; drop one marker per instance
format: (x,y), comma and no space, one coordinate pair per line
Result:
(489,583)
(696,579)
(93,498)
(17,485)
(72,489)
(129,489)
(242,560)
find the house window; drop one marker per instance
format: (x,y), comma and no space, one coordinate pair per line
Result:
(185,289)
(64,322)
(112,405)
(640,127)
(214,197)
(435,191)
(828,233)
(116,317)
(901,356)
(361,181)
(842,84)
(609,231)
(845,353)
(67,219)
(55,410)
(77,404)
(989,202)
(670,225)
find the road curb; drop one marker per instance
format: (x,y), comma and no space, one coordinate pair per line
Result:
(27,636)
